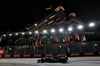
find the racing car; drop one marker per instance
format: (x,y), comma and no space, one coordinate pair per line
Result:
(54,58)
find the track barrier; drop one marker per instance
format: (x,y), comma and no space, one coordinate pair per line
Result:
(88,53)
(16,55)
(26,55)
(48,55)
(37,55)
(61,54)
(74,54)
(7,56)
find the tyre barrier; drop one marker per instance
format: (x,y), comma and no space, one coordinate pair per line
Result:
(74,54)
(46,55)
(26,55)
(16,56)
(7,56)
(61,54)
(37,55)
(99,53)
(88,53)
(0,56)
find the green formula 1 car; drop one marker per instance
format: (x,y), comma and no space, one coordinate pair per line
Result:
(54,58)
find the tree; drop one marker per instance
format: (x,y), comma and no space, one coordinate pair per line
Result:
(48,41)
(19,41)
(31,40)
(44,39)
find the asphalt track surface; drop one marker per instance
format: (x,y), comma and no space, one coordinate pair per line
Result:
(72,61)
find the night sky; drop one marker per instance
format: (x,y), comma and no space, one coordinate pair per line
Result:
(15,15)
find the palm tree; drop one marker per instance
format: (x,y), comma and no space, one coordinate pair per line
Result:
(31,40)
(44,38)
(19,41)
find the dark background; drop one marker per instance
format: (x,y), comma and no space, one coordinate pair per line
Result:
(15,15)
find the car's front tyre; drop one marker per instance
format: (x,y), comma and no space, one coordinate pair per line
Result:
(38,61)
(64,60)
(42,60)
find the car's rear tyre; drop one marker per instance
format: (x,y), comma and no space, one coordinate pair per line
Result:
(38,61)
(42,60)
(64,60)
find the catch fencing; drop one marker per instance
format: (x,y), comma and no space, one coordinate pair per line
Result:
(78,47)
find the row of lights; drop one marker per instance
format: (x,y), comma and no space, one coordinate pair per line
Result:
(53,30)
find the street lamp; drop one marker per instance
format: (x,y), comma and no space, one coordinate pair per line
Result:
(80,27)
(30,33)
(70,29)
(10,34)
(26,28)
(52,30)
(4,35)
(61,29)
(36,32)
(23,33)
(35,24)
(16,34)
(91,24)
(60,46)
(44,31)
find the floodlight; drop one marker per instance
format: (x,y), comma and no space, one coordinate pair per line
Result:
(4,35)
(52,30)
(23,33)
(61,29)
(44,31)
(35,24)
(30,32)
(70,29)
(16,34)
(36,32)
(91,24)
(10,34)
(80,27)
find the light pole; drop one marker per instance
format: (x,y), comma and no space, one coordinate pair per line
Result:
(37,42)
(37,33)
(80,27)
(92,24)
(69,29)
(45,32)
(15,49)
(53,31)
